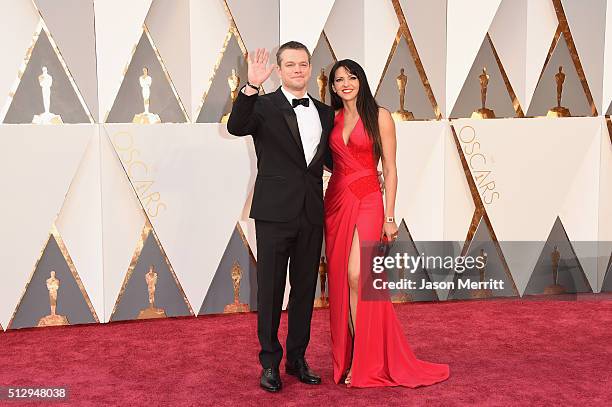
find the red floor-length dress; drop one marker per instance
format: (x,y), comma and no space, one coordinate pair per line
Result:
(381,353)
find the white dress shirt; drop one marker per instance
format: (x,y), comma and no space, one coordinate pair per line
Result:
(309,124)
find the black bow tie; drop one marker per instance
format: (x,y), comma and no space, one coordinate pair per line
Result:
(303,101)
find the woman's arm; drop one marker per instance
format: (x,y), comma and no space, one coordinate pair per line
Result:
(389,144)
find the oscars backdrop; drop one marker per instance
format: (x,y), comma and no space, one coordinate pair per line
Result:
(124,196)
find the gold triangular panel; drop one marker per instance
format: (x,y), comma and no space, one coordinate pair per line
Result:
(487,276)
(401,75)
(150,288)
(558,269)
(55,294)
(323,59)
(234,286)
(492,85)
(45,92)
(218,99)
(573,96)
(153,86)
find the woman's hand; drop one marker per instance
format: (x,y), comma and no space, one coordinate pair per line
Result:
(390,231)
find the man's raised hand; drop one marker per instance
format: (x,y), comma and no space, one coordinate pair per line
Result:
(259,71)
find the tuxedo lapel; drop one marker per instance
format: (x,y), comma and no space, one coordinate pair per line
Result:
(290,117)
(325,128)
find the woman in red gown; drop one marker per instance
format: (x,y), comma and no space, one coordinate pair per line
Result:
(368,345)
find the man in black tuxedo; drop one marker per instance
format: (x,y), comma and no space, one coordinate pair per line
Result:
(290,131)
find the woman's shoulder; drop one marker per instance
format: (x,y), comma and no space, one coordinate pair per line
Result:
(383,113)
(384,117)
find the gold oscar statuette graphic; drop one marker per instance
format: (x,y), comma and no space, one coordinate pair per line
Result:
(236,306)
(401,296)
(323,300)
(559,111)
(555,287)
(46,81)
(483,292)
(402,114)
(146,117)
(53,319)
(151,311)
(322,83)
(483,112)
(233,81)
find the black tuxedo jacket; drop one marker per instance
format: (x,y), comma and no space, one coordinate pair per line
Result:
(284,184)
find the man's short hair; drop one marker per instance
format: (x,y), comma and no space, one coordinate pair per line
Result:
(291,45)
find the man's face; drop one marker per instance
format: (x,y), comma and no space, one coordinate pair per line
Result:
(294,69)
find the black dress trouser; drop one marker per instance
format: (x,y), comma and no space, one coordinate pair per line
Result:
(278,242)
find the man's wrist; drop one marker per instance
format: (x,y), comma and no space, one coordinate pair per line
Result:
(254,86)
(248,91)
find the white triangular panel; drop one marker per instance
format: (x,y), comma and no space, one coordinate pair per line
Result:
(541,27)
(426,21)
(18,22)
(458,202)
(37,165)
(78,51)
(526,207)
(420,194)
(605,202)
(206,45)
(122,217)
(258,25)
(508,33)
(168,24)
(587,24)
(380,30)
(607,64)
(347,39)
(80,223)
(578,211)
(535,185)
(193,219)
(467,24)
(300,21)
(118,29)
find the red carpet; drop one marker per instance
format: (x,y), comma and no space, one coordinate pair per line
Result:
(506,352)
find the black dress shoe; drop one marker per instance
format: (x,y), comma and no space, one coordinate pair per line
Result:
(270,379)
(300,369)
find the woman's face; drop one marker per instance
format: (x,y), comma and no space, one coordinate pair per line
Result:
(346,84)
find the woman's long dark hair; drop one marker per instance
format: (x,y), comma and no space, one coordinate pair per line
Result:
(366,104)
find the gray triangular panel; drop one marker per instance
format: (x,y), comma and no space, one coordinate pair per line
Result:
(416,100)
(218,101)
(570,275)
(129,100)
(607,282)
(482,245)
(35,303)
(498,99)
(28,99)
(545,95)
(322,57)
(135,297)
(64,18)
(221,293)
